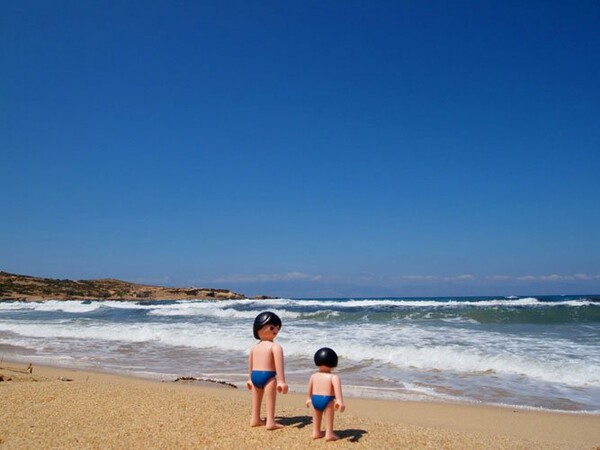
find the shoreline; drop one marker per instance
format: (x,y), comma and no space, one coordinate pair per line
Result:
(499,352)
(167,378)
(35,409)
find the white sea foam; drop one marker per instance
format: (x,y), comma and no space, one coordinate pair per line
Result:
(459,351)
(16,306)
(72,306)
(188,335)
(374,303)
(217,308)
(214,310)
(402,346)
(127,305)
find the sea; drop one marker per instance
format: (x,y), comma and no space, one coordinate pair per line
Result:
(535,352)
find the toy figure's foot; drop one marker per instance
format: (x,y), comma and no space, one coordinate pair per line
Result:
(319,435)
(275,426)
(333,437)
(259,423)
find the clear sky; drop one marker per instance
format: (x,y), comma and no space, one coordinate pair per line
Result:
(304,148)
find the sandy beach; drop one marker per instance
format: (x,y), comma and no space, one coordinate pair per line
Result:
(64,408)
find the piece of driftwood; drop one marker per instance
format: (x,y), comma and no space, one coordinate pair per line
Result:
(208,380)
(15,369)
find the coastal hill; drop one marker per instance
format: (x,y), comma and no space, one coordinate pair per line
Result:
(24,287)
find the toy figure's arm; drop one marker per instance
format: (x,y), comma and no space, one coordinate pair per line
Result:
(337,389)
(279,369)
(310,391)
(249,382)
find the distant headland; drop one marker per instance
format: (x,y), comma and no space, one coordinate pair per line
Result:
(29,288)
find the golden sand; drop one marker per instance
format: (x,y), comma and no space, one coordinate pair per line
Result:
(73,409)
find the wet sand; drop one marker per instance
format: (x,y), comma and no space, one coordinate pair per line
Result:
(74,409)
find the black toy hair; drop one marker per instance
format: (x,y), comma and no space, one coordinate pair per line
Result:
(326,357)
(265,318)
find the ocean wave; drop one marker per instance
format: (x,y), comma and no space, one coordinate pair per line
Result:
(71,306)
(421,303)
(458,350)
(472,344)
(186,335)
(216,310)
(466,360)
(248,307)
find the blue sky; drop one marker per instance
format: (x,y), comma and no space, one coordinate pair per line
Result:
(303,148)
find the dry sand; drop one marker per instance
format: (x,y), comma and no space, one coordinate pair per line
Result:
(73,409)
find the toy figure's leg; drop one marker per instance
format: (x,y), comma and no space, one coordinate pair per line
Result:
(271,396)
(257,396)
(317,416)
(329,413)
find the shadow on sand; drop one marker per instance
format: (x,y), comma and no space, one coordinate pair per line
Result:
(351,435)
(295,421)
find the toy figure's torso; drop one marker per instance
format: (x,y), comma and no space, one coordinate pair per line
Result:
(322,383)
(262,356)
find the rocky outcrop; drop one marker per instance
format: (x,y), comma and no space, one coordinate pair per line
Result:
(24,287)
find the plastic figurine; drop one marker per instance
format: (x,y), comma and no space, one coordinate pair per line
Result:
(325,394)
(266,370)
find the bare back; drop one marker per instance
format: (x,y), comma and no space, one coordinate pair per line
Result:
(322,383)
(261,356)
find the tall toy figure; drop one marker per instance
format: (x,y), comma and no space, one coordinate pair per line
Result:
(266,370)
(325,394)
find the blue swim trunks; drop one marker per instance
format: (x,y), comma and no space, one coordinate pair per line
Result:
(260,378)
(320,402)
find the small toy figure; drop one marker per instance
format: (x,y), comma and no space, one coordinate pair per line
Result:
(325,394)
(266,369)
